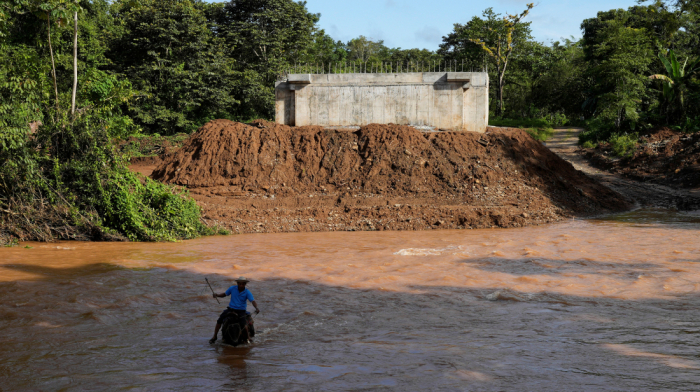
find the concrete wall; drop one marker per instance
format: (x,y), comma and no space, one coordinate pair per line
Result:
(455,101)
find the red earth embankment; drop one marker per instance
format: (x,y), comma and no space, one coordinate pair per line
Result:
(266,177)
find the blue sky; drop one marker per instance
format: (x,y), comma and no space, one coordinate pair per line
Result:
(422,23)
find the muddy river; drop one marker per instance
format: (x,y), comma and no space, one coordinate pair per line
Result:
(593,305)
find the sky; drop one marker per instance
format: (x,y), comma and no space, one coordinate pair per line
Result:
(422,23)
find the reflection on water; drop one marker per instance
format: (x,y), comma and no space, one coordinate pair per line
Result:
(585,305)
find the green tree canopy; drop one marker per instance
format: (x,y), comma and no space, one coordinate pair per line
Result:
(490,40)
(180,68)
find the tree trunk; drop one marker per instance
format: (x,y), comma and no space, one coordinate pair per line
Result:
(75,63)
(499,91)
(53,63)
(500,97)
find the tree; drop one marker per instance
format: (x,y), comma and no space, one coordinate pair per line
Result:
(326,50)
(365,50)
(75,62)
(559,80)
(264,37)
(171,56)
(60,175)
(418,59)
(675,84)
(619,58)
(493,37)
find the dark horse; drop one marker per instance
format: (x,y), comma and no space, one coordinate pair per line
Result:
(237,329)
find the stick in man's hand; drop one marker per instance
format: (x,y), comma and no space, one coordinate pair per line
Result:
(212,290)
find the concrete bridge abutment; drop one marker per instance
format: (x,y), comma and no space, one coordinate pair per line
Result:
(455,101)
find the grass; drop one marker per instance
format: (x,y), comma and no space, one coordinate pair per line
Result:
(541,134)
(589,144)
(520,123)
(539,129)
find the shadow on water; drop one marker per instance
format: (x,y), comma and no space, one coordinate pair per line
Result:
(151,333)
(49,273)
(530,266)
(656,216)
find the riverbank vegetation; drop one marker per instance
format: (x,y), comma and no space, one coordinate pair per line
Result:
(633,71)
(86,84)
(62,109)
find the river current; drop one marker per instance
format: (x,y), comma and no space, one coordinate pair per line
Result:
(609,304)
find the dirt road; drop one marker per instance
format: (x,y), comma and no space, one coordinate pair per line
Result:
(642,194)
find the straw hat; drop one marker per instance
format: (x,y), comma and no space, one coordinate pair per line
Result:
(242,279)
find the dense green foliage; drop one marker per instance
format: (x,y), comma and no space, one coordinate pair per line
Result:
(181,70)
(168,66)
(187,61)
(60,174)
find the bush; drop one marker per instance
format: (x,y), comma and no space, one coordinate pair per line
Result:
(91,176)
(596,131)
(589,144)
(559,119)
(625,145)
(76,171)
(143,209)
(540,129)
(690,125)
(151,145)
(520,123)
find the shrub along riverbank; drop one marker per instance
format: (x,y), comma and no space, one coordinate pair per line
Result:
(71,183)
(61,117)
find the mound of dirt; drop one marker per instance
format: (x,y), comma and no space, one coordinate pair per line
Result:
(665,157)
(267,177)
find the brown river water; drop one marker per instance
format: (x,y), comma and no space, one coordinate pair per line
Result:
(607,304)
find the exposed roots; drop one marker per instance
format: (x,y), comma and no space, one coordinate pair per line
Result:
(46,222)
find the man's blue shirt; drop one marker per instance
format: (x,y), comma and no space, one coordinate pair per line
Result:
(238,299)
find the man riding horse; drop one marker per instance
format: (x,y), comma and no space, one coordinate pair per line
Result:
(238,304)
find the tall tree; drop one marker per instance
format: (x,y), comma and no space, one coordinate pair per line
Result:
(500,47)
(619,59)
(364,50)
(75,62)
(170,54)
(493,38)
(559,78)
(264,37)
(326,50)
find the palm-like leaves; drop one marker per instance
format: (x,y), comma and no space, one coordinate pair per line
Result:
(675,81)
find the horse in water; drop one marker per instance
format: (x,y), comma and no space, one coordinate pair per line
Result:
(237,329)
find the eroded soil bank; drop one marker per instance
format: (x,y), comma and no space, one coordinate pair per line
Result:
(266,177)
